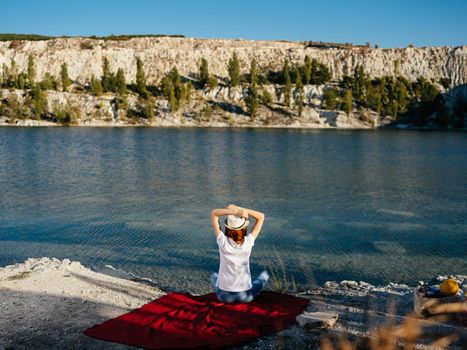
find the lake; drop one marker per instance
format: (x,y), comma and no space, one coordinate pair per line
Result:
(379,205)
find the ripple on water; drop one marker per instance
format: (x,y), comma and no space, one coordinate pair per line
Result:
(339,205)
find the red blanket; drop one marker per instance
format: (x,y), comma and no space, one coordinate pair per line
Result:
(184,321)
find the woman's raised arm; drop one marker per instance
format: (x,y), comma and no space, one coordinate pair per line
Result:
(230,210)
(258,216)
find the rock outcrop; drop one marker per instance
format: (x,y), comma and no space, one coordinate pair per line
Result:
(84,57)
(224,112)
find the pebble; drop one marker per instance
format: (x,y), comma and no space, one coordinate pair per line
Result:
(349,284)
(365,285)
(330,284)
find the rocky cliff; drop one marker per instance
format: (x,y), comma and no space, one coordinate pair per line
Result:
(84,57)
(221,111)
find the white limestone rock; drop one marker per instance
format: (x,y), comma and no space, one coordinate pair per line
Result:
(84,57)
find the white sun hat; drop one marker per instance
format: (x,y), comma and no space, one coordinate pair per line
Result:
(235,222)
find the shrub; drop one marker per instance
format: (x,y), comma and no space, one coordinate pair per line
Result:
(49,82)
(330,98)
(266,98)
(206,113)
(13,108)
(86,45)
(67,115)
(212,82)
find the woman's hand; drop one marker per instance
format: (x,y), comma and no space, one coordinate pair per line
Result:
(238,211)
(243,213)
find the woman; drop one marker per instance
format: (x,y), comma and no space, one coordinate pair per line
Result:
(233,282)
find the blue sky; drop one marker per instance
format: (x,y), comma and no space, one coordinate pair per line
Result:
(392,23)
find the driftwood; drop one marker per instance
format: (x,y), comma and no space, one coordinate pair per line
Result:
(317,319)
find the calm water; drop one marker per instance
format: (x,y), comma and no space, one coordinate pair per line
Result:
(378,206)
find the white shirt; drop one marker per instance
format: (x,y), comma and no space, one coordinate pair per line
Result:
(234,270)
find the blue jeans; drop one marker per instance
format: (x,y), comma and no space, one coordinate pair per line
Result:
(240,297)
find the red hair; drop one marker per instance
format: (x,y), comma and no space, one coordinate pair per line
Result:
(238,236)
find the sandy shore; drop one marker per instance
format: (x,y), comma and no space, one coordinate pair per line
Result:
(47,304)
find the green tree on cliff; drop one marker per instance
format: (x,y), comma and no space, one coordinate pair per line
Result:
(307,69)
(359,83)
(107,76)
(203,75)
(252,100)
(320,73)
(66,81)
(147,108)
(330,98)
(31,71)
(141,86)
(21,81)
(374,96)
(120,84)
(96,86)
(314,72)
(176,84)
(172,100)
(253,76)
(298,91)
(402,94)
(288,84)
(10,74)
(49,82)
(5,75)
(234,70)
(39,99)
(177,93)
(347,101)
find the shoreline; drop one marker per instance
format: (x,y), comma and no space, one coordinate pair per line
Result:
(30,123)
(56,300)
